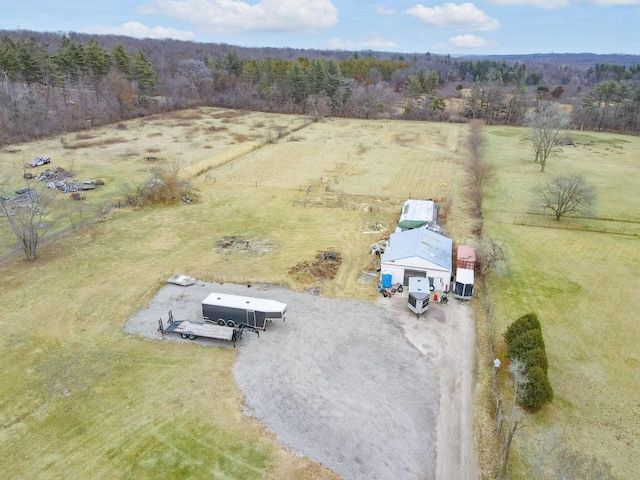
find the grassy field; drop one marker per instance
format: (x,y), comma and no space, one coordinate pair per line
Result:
(82,399)
(580,276)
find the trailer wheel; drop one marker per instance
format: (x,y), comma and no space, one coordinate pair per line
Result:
(183,335)
(192,337)
(230,324)
(400,288)
(221,322)
(432,288)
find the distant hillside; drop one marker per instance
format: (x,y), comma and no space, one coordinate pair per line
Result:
(584,60)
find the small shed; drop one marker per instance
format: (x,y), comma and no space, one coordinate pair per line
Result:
(463,288)
(419,294)
(417,213)
(420,253)
(466,257)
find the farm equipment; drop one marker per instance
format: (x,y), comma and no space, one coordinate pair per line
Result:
(390,291)
(193,330)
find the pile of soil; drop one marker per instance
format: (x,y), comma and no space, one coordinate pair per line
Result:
(324,267)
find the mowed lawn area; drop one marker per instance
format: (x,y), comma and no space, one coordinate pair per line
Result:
(79,397)
(581,277)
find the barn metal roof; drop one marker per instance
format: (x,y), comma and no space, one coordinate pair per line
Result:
(418,210)
(419,242)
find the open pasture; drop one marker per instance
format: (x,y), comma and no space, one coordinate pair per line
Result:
(81,398)
(580,276)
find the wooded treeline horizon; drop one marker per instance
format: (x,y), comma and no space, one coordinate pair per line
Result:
(52,83)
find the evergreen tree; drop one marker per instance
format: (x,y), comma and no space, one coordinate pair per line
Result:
(9,58)
(298,83)
(29,55)
(316,76)
(143,75)
(121,60)
(70,60)
(232,63)
(97,65)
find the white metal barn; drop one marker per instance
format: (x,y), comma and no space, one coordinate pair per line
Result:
(419,252)
(416,213)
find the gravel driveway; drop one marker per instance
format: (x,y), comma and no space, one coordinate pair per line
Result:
(338,382)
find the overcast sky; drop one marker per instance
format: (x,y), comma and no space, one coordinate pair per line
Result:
(477,27)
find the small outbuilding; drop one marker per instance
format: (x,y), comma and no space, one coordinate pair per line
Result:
(420,253)
(418,213)
(465,265)
(463,288)
(465,257)
(419,295)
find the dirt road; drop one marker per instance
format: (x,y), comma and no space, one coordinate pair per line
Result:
(446,335)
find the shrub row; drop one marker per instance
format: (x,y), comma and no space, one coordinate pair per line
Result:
(526,344)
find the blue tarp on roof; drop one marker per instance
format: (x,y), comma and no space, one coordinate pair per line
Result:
(420,242)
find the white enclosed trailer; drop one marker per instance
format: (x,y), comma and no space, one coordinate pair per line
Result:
(237,310)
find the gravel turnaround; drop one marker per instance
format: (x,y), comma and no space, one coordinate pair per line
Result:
(337,382)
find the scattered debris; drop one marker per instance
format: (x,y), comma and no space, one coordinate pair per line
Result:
(243,245)
(367,278)
(377,228)
(61,179)
(77,196)
(236,243)
(378,248)
(181,279)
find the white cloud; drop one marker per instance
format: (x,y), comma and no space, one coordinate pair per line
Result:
(464,42)
(558,4)
(465,15)
(372,41)
(382,10)
(470,41)
(138,30)
(544,4)
(226,16)
(611,3)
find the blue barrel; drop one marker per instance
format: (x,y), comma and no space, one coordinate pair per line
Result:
(387,278)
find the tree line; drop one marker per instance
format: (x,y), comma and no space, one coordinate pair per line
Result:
(51,83)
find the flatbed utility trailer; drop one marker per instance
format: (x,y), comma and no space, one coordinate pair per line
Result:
(193,330)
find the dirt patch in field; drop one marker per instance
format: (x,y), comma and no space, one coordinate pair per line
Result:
(324,267)
(236,244)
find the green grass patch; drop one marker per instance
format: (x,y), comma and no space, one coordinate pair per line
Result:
(583,285)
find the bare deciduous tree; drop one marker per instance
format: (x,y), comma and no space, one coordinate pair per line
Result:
(545,124)
(565,195)
(479,169)
(29,215)
(492,256)
(515,421)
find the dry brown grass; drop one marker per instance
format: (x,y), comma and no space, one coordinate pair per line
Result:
(98,143)
(84,136)
(133,403)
